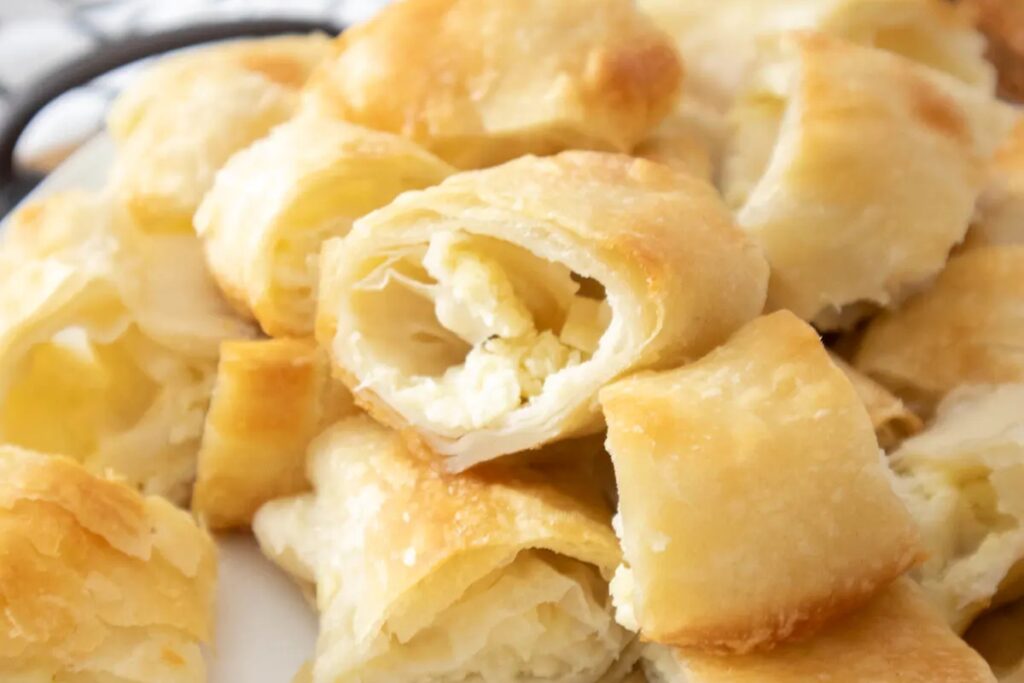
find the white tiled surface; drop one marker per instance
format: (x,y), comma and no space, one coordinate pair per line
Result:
(38,35)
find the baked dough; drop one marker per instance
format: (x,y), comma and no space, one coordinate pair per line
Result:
(720,40)
(479,82)
(486,312)
(967,328)
(496,574)
(746,482)
(271,397)
(962,478)
(999,637)
(274,203)
(892,419)
(97,583)
(897,638)
(682,143)
(857,171)
(999,217)
(108,342)
(182,119)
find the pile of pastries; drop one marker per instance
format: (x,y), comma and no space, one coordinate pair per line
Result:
(579,341)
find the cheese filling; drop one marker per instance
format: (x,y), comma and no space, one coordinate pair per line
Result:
(491,326)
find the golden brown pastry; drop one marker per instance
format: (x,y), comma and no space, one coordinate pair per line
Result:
(856,171)
(421,575)
(271,397)
(962,479)
(485,313)
(746,483)
(108,342)
(275,202)
(185,117)
(967,328)
(1002,23)
(892,419)
(896,638)
(999,216)
(97,583)
(479,82)
(999,637)
(720,40)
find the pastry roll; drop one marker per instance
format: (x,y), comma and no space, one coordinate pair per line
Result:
(999,637)
(897,636)
(108,345)
(179,123)
(827,129)
(967,328)
(421,575)
(479,82)
(97,583)
(274,203)
(962,479)
(999,217)
(892,419)
(271,397)
(486,312)
(746,481)
(720,40)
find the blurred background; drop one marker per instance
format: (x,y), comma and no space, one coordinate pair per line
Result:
(38,36)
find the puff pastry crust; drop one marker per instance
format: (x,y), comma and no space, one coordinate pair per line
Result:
(746,481)
(961,478)
(514,293)
(421,575)
(275,202)
(108,341)
(185,117)
(965,329)
(898,636)
(271,397)
(892,419)
(97,583)
(999,217)
(720,41)
(857,171)
(480,82)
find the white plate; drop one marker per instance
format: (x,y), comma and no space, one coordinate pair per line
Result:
(265,628)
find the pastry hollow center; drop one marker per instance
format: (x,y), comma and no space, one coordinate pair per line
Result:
(477,327)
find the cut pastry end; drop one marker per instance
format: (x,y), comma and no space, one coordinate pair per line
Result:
(833,260)
(109,342)
(496,574)
(278,200)
(540,618)
(478,350)
(487,322)
(717,464)
(961,479)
